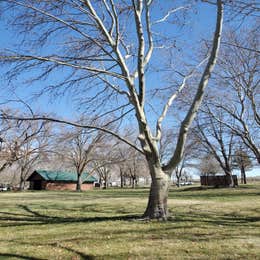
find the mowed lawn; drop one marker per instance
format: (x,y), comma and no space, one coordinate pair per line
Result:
(104,224)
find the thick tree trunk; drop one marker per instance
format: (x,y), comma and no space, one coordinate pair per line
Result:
(22,181)
(245,181)
(243,175)
(133,182)
(79,182)
(157,207)
(178,181)
(22,185)
(124,180)
(121,179)
(105,182)
(231,183)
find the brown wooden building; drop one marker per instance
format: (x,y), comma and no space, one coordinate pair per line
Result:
(58,180)
(217,180)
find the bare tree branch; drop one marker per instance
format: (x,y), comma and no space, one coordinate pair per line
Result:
(200,92)
(50,119)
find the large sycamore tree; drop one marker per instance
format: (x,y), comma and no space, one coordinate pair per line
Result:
(105,53)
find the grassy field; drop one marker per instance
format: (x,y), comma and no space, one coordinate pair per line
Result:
(102,224)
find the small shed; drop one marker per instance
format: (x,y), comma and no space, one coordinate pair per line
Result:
(59,180)
(217,180)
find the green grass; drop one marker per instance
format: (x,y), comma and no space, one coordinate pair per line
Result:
(103,224)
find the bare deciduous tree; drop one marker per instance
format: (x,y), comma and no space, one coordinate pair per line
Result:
(25,143)
(100,48)
(238,71)
(8,151)
(134,166)
(217,140)
(242,161)
(104,173)
(34,149)
(79,149)
(209,165)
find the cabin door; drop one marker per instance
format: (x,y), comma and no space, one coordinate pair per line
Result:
(37,185)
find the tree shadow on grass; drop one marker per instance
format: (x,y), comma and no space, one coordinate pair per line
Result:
(183,220)
(92,257)
(80,254)
(73,251)
(18,256)
(35,217)
(215,219)
(31,216)
(196,188)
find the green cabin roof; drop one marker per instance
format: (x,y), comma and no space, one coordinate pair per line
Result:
(64,176)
